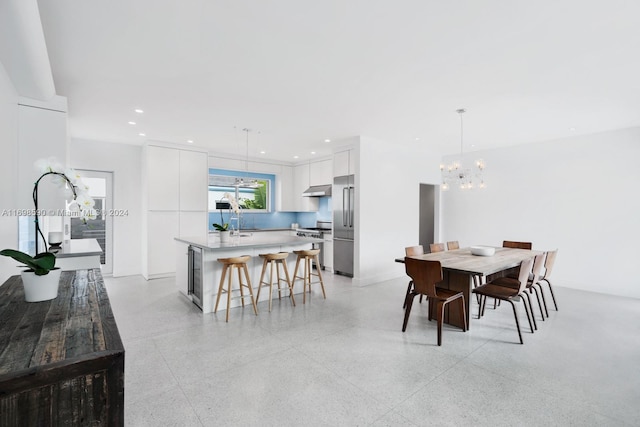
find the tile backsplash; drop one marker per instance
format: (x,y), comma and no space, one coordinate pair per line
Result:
(278,219)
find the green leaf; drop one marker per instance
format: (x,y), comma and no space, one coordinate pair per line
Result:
(41,264)
(223,227)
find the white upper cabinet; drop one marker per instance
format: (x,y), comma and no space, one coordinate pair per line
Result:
(300,184)
(194,176)
(344,163)
(321,172)
(284,190)
(163,183)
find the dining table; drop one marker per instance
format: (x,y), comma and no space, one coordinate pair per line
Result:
(460,265)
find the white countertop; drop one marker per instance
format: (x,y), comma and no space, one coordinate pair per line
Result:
(78,247)
(250,240)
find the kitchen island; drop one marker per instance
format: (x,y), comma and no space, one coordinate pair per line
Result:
(78,254)
(198,271)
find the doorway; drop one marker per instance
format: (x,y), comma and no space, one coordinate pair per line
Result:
(100,185)
(427,214)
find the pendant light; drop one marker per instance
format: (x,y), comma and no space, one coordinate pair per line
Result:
(455,174)
(246,182)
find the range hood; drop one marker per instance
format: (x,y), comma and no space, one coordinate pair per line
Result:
(318,191)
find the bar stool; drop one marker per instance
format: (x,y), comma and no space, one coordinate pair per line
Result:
(308,255)
(276,260)
(240,264)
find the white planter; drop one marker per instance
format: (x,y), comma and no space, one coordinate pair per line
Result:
(40,288)
(224,236)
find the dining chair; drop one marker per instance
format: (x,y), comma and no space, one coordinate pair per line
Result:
(496,289)
(548,267)
(436,247)
(516,245)
(532,280)
(453,245)
(424,275)
(412,251)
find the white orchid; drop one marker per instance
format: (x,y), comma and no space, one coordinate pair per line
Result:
(233,202)
(49,165)
(82,203)
(73,176)
(85,202)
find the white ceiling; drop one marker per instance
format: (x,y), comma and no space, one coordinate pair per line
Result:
(303,71)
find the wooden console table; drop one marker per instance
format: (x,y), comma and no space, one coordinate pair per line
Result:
(61,361)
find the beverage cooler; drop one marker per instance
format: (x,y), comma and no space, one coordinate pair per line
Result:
(195,275)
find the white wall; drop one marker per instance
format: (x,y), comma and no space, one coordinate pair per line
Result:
(387,199)
(124,161)
(8,171)
(579,195)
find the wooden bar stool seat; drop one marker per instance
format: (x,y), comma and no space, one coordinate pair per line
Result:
(308,255)
(240,264)
(277,260)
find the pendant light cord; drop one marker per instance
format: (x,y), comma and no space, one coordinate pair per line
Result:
(460,112)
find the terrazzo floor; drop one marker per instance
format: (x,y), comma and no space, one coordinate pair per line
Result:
(344,361)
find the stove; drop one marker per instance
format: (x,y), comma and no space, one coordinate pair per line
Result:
(310,232)
(316,232)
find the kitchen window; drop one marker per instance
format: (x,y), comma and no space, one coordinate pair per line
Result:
(253,190)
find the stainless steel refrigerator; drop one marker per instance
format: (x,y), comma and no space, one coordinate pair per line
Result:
(343,218)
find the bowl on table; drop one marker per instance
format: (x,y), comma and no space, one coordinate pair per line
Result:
(483,250)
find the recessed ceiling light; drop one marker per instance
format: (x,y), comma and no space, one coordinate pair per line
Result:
(262,152)
(327,140)
(139,111)
(313,152)
(142,134)
(417,139)
(190,141)
(132,123)
(295,157)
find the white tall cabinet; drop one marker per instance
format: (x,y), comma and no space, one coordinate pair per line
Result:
(175,204)
(344,163)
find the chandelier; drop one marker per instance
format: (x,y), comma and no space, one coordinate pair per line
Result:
(455,174)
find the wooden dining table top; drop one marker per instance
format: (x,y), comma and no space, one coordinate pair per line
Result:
(462,261)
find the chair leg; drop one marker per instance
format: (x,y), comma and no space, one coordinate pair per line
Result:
(295,272)
(544,300)
(253,300)
(264,268)
(484,304)
(526,309)
(463,314)
(286,274)
(552,294)
(220,287)
(515,315)
(306,281)
(229,292)
(240,282)
(271,284)
(404,305)
(407,311)
(277,266)
(440,309)
(539,302)
(320,276)
(535,325)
